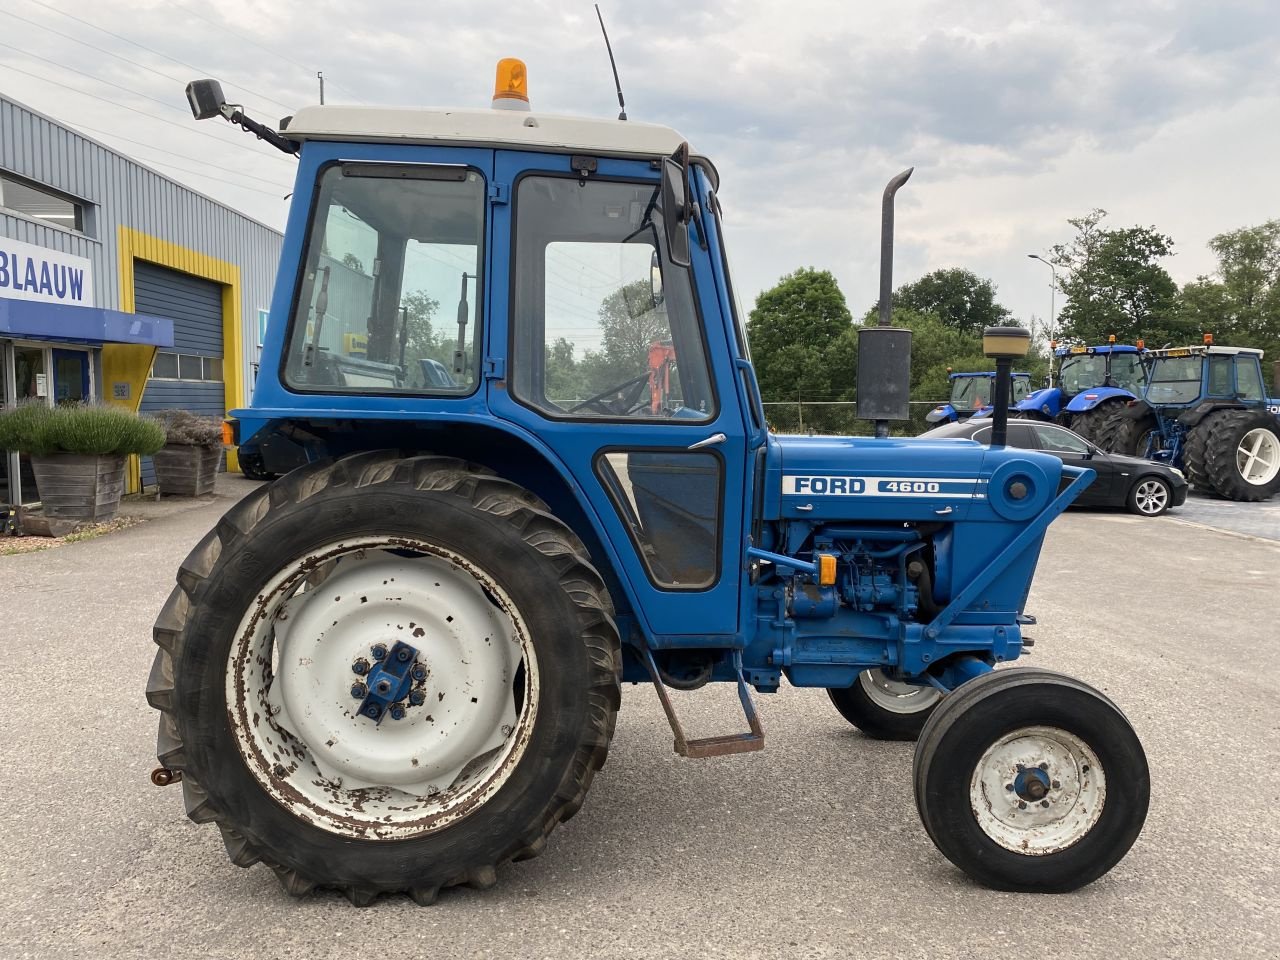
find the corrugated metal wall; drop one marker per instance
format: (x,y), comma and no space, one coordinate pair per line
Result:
(123,192)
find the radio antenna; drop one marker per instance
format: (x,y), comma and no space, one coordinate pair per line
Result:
(622,107)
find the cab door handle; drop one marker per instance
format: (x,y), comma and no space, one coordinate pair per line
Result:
(710,441)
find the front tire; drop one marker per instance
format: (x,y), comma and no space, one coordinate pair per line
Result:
(1031,781)
(496,743)
(884,708)
(1149,497)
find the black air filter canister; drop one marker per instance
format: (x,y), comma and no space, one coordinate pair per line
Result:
(884,373)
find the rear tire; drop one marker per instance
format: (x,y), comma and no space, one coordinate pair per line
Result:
(1088,423)
(883,708)
(1031,781)
(1242,454)
(315,810)
(1120,433)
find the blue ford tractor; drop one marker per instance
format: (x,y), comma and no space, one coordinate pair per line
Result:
(1089,383)
(1204,412)
(971,395)
(398,667)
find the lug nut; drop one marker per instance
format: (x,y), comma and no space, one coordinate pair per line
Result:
(1044,765)
(279,770)
(1044,803)
(397,712)
(402,656)
(379,651)
(383,686)
(359,690)
(360,667)
(1022,804)
(1057,785)
(419,672)
(417,698)
(372,711)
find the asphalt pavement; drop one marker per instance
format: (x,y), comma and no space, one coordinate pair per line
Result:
(810,849)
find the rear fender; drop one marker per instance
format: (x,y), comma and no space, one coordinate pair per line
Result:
(1091,398)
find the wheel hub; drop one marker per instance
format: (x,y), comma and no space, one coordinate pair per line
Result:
(1038,790)
(389,683)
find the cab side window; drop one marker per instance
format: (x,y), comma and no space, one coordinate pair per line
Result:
(1248,380)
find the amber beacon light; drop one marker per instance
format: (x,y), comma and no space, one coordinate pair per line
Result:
(511,86)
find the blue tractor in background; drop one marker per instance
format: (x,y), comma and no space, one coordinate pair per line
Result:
(398,667)
(1204,412)
(971,396)
(1088,383)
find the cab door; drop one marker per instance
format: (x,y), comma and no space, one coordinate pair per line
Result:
(618,361)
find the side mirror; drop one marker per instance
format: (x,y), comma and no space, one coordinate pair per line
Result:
(205,98)
(675,210)
(655,280)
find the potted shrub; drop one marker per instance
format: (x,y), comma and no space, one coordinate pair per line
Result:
(77,454)
(187,464)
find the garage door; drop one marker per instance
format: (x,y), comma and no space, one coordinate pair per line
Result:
(188,375)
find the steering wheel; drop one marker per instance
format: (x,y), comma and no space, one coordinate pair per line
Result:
(624,405)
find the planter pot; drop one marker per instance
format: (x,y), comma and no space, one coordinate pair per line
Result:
(76,486)
(183,470)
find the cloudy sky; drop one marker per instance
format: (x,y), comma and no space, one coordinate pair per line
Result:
(1016,115)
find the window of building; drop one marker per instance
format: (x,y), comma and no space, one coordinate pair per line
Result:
(186,366)
(38,202)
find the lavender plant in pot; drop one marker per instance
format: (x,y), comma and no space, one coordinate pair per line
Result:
(77,454)
(187,464)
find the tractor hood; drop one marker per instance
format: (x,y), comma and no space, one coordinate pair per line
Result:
(900,479)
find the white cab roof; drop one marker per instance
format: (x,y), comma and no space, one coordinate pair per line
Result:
(517,129)
(1199,349)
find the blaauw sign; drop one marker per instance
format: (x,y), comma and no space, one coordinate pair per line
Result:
(36,273)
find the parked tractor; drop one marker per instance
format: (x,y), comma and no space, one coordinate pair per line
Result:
(398,667)
(971,396)
(1203,411)
(1088,383)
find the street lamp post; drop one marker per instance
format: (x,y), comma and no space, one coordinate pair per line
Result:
(1053,292)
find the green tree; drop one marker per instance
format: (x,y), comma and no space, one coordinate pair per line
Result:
(1242,305)
(1114,283)
(804,348)
(422,341)
(959,298)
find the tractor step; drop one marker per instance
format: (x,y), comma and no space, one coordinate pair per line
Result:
(711,746)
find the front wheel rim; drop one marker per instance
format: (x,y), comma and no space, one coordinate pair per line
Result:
(895,696)
(1258,456)
(1152,497)
(465,718)
(1038,790)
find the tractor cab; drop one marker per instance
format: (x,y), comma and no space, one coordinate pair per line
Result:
(1088,383)
(972,395)
(1204,411)
(506,346)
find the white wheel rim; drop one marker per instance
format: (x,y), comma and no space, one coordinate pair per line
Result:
(1258,456)
(1007,802)
(296,720)
(1152,497)
(896,696)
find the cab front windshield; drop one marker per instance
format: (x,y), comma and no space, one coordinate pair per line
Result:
(975,393)
(1175,380)
(1082,372)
